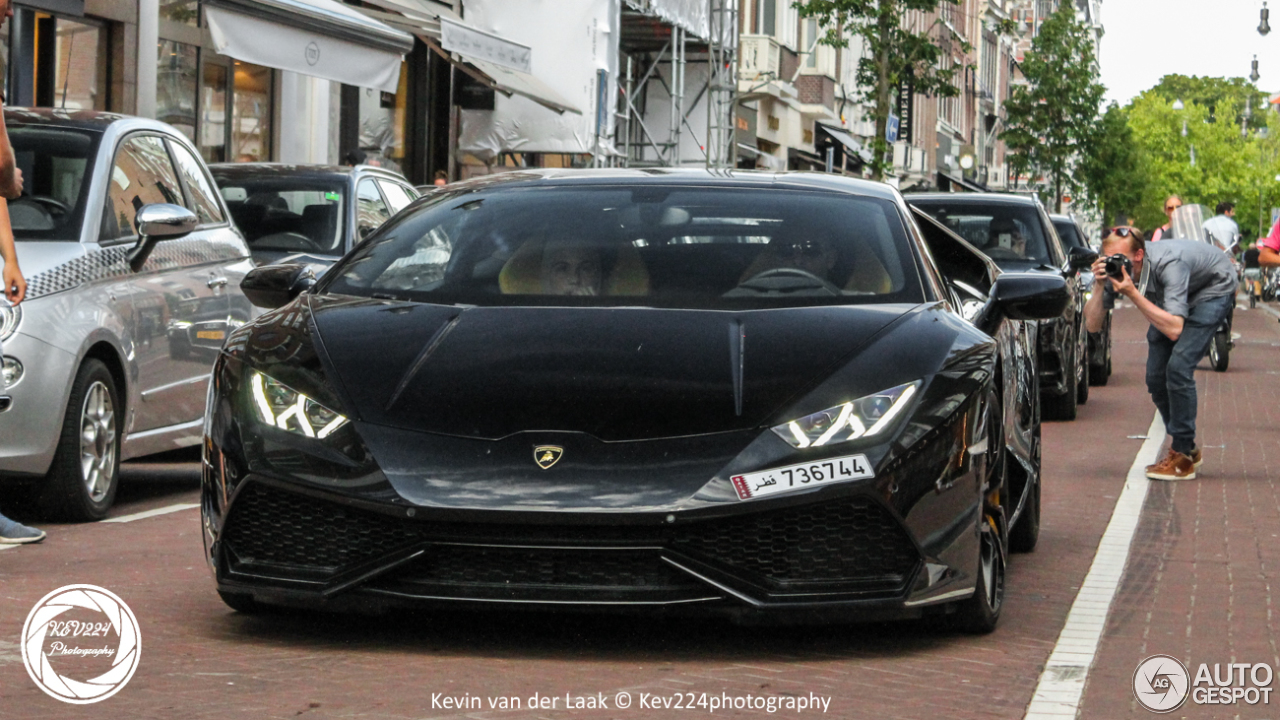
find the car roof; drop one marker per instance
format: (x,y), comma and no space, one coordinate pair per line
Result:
(1061,218)
(77,119)
(258,169)
(679,176)
(974,198)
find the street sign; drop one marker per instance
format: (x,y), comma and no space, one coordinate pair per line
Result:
(891,128)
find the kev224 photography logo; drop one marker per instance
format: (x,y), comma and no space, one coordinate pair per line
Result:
(1162,684)
(81,644)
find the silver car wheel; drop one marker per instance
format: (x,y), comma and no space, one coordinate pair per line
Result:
(97,440)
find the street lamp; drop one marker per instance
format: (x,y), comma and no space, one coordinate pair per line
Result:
(1254,75)
(1264,27)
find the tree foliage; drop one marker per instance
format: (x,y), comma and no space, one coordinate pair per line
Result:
(1227,166)
(1224,98)
(1053,115)
(1112,168)
(892,53)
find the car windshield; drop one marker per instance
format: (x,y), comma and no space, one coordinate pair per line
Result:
(299,214)
(56,170)
(662,246)
(1003,231)
(1067,233)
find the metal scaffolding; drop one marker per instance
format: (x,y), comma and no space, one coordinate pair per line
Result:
(657,123)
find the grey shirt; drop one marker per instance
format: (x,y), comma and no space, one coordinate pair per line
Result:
(1180,274)
(1224,231)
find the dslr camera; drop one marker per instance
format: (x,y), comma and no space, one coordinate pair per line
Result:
(1115,264)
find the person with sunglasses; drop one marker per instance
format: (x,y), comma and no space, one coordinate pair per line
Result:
(813,253)
(1171,203)
(1184,289)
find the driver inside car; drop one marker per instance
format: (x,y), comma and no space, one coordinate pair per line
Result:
(810,252)
(572,268)
(1005,234)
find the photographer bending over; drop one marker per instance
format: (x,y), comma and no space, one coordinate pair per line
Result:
(1185,290)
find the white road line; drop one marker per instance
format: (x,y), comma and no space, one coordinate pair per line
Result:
(153,513)
(1061,685)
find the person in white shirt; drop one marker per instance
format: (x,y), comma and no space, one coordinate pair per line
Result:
(1222,228)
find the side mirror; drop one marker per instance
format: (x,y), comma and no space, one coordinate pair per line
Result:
(157,222)
(1080,259)
(273,286)
(1030,296)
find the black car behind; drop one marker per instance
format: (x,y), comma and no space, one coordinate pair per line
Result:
(1015,232)
(1072,236)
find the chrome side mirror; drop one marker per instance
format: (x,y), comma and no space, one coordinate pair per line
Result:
(156,222)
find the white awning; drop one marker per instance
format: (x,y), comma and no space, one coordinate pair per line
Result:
(843,137)
(321,38)
(491,59)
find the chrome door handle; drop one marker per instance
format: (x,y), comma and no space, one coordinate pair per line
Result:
(217,282)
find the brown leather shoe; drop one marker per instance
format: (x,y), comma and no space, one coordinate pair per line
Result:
(1174,467)
(1160,462)
(1197,458)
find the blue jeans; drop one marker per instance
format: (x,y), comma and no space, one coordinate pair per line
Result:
(1171,368)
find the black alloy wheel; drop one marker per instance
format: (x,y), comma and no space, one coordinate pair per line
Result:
(980,613)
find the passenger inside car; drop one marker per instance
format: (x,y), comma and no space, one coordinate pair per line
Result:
(574,267)
(1006,239)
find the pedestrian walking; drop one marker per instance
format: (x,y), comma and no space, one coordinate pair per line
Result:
(15,287)
(1185,289)
(1222,228)
(1171,203)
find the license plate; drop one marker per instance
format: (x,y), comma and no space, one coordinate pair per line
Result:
(805,475)
(210,334)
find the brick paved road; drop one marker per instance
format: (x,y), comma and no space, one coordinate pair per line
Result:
(1204,569)
(202,660)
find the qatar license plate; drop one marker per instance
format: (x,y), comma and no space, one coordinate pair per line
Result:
(210,334)
(804,475)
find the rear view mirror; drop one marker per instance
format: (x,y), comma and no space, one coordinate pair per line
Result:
(156,222)
(1030,296)
(1079,258)
(273,286)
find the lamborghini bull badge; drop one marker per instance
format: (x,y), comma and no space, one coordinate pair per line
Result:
(547,455)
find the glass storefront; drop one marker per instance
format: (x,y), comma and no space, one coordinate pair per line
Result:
(251,113)
(176,86)
(54,61)
(213,114)
(382,123)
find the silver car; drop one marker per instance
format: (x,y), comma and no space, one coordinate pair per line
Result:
(133,270)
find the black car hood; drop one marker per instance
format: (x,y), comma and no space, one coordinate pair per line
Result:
(614,374)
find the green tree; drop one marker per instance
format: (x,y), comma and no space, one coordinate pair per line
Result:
(892,53)
(1226,166)
(1111,167)
(1053,115)
(1225,98)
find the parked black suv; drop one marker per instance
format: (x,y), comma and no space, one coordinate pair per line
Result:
(1015,232)
(1073,236)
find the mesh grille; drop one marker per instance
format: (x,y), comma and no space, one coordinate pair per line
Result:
(270,526)
(854,540)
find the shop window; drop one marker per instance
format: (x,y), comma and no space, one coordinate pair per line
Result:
(186,12)
(176,86)
(382,124)
(213,114)
(51,61)
(251,113)
(142,175)
(204,201)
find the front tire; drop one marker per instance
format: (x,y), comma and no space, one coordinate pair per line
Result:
(1220,351)
(1026,532)
(85,474)
(981,613)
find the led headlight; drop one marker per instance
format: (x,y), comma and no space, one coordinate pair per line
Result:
(10,317)
(864,417)
(280,405)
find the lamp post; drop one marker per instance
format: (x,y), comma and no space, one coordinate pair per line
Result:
(1264,27)
(1253,75)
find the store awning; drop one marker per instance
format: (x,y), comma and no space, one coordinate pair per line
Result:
(321,38)
(966,184)
(492,60)
(843,137)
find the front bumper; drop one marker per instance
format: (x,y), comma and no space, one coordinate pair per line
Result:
(30,428)
(288,547)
